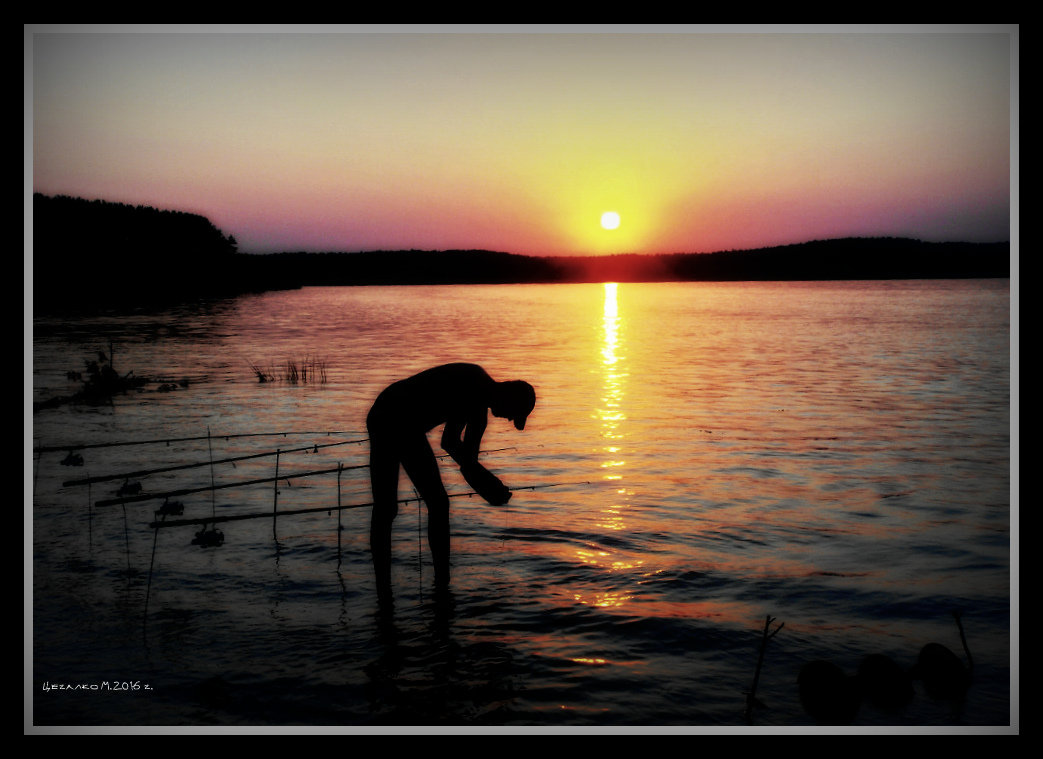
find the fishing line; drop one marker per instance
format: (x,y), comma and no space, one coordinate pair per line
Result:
(151,565)
(503,535)
(126,540)
(90,520)
(339,527)
(275,496)
(213,505)
(419,546)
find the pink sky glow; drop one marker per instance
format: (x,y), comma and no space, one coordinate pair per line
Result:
(520,141)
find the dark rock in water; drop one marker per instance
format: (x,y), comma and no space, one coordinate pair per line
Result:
(129,488)
(828,695)
(171,508)
(209,538)
(884,682)
(943,674)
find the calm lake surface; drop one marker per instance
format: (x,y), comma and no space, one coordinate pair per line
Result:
(834,455)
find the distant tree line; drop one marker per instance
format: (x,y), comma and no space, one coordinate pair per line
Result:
(849,258)
(104,254)
(99,253)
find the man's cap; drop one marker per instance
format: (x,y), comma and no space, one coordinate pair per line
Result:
(523,401)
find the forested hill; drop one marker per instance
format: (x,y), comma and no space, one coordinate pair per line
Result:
(98,254)
(94,252)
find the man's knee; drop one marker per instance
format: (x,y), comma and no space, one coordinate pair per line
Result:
(435,497)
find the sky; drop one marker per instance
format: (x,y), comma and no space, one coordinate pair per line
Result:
(518,139)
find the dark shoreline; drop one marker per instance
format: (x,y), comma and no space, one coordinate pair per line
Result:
(840,259)
(91,255)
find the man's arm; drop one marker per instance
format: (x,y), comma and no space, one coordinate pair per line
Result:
(465,453)
(463,439)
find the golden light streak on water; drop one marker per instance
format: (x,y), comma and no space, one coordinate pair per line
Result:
(607,600)
(611,416)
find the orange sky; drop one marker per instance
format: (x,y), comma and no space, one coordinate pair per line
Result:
(329,140)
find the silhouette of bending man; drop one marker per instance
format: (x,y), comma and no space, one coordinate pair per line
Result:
(458,396)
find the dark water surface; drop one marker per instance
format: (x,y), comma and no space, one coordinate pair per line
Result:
(834,455)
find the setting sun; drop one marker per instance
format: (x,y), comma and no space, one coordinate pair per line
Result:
(610,220)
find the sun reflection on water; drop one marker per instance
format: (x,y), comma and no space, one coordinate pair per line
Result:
(611,417)
(613,373)
(604,600)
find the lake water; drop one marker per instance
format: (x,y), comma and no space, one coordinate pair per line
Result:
(834,455)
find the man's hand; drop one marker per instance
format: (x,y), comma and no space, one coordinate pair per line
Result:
(486,484)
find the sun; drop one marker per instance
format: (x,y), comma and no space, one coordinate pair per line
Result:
(610,220)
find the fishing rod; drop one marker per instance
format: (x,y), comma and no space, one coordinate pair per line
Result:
(205,488)
(233,459)
(329,509)
(243,483)
(168,441)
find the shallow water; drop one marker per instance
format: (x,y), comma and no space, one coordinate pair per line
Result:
(833,455)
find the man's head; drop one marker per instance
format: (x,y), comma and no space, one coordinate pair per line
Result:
(513,400)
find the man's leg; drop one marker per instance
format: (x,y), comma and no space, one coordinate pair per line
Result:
(420,464)
(383,474)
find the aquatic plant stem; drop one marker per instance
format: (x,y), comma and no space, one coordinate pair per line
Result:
(275,497)
(751,697)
